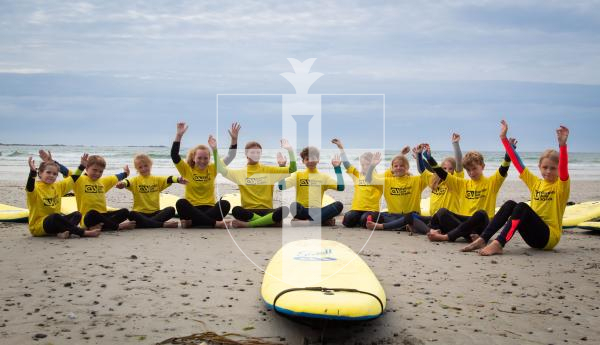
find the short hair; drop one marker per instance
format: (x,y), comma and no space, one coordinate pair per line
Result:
(252,144)
(192,153)
(45,165)
(473,158)
(551,155)
(403,161)
(96,160)
(367,156)
(309,152)
(142,158)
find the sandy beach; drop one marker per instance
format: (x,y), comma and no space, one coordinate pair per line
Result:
(145,286)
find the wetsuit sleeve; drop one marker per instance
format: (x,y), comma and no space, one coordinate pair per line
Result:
(436,168)
(121,176)
(293,167)
(345,160)
(457,156)
(127,183)
(231,153)
(78,172)
(420,162)
(62,169)
(513,155)
(503,170)
(175,152)
(563,164)
(340,178)
(372,178)
(221,166)
(31,181)
(287,182)
(171,180)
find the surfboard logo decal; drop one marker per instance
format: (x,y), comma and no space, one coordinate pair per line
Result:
(315,255)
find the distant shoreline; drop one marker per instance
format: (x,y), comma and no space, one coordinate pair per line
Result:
(62,145)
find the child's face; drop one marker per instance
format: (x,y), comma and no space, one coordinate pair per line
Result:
(94,171)
(49,175)
(201,159)
(311,162)
(475,171)
(399,169)
(143,168)
(549,169)
(446,165)
(253,154)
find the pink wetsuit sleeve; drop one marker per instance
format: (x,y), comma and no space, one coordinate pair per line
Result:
(514,157)
(563,164)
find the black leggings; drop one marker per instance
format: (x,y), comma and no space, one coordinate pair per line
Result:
(354,218)
(456,226)
(512,217)
(110,220)
(202,216)
(321,214)
(57,223)
(246,215)
(152,220)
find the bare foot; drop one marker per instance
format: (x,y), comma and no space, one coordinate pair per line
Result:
(410,230)
(186,223)
(435,236)
(435,231)
(300,223)
(63,235)
(223,224)
(127,225)
(171,224)
(96,227)
(476,244)
(92,233)
(374,226)
(474,237)
(240,224)
(491,249)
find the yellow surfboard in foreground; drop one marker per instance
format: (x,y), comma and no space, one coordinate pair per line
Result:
(322,279)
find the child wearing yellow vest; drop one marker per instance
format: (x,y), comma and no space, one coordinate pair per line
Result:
(146,188)
(44,202)
(540,224)
(310,186)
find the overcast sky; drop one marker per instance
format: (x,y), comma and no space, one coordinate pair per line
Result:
(123,73)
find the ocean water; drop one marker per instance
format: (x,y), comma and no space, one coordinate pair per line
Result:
(13,160)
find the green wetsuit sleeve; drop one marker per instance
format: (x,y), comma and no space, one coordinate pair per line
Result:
(293,167)
(221,166)
(340,178)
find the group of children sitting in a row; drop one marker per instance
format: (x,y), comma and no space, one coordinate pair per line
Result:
(459,207)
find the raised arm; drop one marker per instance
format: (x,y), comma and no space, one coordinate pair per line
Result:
(31,178)
(374,162)
(438,170)
(181,129)
(124,174)
(286,145)
(337,142)
(46,156)
(510,150)
(336,162)
(221,166)
(457,151)
(562,134)
(232,152)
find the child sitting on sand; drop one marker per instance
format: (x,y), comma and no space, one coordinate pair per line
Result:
(146,190)
(540,224)
(477,198)
(365,201)
(44,202)
(402,193)
(256,182)
(90,195)
(199,208)
(310,186)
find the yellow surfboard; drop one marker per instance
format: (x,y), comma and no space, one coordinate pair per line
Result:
(168,200)
(322,279)
(579,213)
(69,205)
(589,226)
(13,214)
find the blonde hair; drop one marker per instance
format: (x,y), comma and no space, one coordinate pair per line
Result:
(403,161)
(141,158)
(96,160)
(472,158)
(252,144)
(435,179)
(192,153)
(45,165)
(551,155)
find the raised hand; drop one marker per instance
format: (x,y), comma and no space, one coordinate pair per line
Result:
(84,160)
(181,129)
(31,163)
(562,134)
(427,149)
(182,180)
(120,185)
(45,156)
(337,142)
(513,142)
(212,142)
(281,160)
(455,137)
(285,144)
(234,131)
(376,159)
(405,150)
(336,161)
(503,129)
(126,169)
